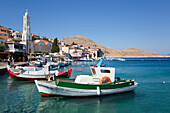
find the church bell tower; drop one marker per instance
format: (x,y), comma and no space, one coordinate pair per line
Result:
(26,35)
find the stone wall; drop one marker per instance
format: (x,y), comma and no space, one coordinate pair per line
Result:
(42,48)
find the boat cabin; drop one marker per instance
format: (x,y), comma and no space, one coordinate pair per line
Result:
(99,75)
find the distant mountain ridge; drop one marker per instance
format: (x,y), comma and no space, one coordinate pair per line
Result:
(129,52)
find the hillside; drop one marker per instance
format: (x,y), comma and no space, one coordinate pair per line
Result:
(129,52)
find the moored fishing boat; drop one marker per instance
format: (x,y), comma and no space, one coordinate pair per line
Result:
(21,74)
(119,59)
(102,82)
(85,59)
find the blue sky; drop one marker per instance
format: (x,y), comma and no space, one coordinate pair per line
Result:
(117,24)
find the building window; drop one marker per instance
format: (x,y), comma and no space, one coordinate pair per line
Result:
(29,50)
(16,46)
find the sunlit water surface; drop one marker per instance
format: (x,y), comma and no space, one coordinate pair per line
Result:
(151,95)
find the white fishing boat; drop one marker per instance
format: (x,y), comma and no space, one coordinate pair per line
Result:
(37,61)
(62,64)
(85,59)
(29,74)
(119,59)
(53,66)
(101,82)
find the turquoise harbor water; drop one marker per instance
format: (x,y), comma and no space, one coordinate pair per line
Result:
(151,95)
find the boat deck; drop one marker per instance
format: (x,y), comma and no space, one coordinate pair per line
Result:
(65,80)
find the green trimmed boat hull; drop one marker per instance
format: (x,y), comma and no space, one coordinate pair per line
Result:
(61,88)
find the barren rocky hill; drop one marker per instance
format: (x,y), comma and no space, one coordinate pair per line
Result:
(129,52)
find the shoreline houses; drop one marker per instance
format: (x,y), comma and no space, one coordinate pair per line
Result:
(78,51)
(20,44)
(15,47)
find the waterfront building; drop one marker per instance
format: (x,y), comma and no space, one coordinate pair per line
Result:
(14,47)
(36,37)
(17,34)
(2,40)
(49,39)
(68,44)
(26,35)
(62,43)
(17,39)
(4,32)
(79,51)
(73,50)
(85,47)
(65,49)
(44,38)
(95,53)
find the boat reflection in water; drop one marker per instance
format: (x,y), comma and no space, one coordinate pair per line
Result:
(20,85)
(89,104)
(22,96)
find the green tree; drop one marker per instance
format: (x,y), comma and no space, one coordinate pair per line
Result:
(55,47)
(74,43)
(33,38)
(37,52)
(45,53)
(2,47)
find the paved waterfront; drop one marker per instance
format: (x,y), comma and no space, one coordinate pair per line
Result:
(3,65)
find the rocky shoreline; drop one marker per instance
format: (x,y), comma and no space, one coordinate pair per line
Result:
(123,53)
(157,56)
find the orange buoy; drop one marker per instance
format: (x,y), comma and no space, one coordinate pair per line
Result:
(105,79)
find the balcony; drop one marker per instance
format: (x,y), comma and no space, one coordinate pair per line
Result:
(15,50)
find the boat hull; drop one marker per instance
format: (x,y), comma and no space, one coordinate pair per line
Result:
(30,77)
(47,89)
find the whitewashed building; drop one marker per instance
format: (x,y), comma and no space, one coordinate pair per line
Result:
(17,34)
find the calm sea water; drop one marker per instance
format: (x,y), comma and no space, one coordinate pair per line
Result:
(151,95)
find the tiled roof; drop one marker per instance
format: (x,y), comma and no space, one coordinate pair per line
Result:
(72,49)
(35,35)
(3,32)
(44,41)
(6,40)
(85,46)
(94,49)
(44,37)
(1,36)
(85,50)
(4,29)
(18,32)
(79,51)
(17,39)
(37,41)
